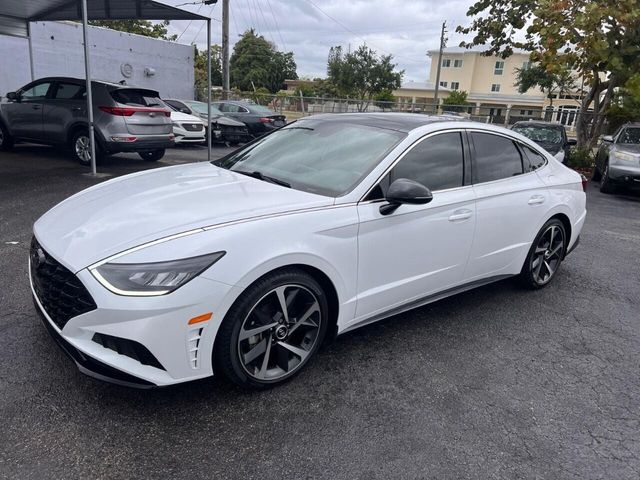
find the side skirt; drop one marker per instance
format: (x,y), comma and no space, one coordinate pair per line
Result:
(420,302)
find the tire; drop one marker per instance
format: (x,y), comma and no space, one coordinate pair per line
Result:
(80,146)
(6,140)
(597,175)
(545,255)
(241,358)
(153,155)
(606,185)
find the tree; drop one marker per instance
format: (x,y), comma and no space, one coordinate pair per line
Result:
(456,101)
(600,39)
(256,63)
(200,69)
(551,83)
(139,27)
(625,106)
(385,99)
(362,74)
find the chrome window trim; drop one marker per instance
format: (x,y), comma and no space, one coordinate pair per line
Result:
(405,152)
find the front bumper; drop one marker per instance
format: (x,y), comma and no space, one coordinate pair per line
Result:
(625,175)
(159,324)
(187,136)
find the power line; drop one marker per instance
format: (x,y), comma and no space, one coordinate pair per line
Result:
(203,24)
(275,21)
(190,22)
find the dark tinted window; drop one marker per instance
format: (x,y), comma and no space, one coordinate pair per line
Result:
(436,162)
(179,106)
(496,157)
(69,91)
(536,160)
(137,97)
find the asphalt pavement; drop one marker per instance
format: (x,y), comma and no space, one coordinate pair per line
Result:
(498,382)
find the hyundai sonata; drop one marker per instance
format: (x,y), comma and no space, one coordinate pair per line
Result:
(246,265)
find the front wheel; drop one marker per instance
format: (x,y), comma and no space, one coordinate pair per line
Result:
(153,155)
(545,255)
(6,141)
(273,330)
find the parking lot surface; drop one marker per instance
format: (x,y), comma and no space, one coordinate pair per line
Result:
(497,382)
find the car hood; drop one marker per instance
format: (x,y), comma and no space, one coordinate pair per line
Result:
(135,209)
(184,117)
(632,148)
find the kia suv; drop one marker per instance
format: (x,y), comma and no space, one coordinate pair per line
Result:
(53,111)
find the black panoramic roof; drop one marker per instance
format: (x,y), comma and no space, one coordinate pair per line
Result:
(403,122)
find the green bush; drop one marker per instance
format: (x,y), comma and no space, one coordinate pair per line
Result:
(580,158)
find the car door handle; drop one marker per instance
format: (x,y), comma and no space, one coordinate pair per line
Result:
(536,200)
(462,214)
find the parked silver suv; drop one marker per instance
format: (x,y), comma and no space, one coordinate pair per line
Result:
(53,111)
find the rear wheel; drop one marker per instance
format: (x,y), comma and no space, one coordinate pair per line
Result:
(606,186)
(153,155)
(545,256)
(81,147)
(597,175)
(6,141)
(273,330)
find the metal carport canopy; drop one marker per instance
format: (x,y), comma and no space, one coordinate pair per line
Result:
(15,16)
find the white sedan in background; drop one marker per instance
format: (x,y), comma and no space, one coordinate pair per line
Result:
(246,265)
(187,128)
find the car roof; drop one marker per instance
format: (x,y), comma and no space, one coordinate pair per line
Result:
(403,122)
(93,80)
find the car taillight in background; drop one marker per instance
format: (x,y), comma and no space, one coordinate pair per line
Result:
(128,111)
(266,120)
(584,182)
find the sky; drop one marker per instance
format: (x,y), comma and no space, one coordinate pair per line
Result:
(308,28)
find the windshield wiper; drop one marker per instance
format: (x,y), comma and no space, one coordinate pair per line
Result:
(264,178)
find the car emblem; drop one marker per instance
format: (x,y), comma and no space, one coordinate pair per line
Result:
(37,258)
(152,114)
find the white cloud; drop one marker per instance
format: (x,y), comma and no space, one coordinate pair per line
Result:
(405,29)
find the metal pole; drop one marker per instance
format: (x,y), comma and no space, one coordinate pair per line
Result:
(437,85)
(87,70)
(225,49)
(30,51)
(209,90)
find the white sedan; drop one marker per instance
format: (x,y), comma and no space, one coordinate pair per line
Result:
(246,265)
(187,128)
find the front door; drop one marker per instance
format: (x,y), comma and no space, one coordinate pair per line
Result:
(417,250)
(25,114)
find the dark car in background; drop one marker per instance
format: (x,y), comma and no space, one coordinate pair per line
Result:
(258,119)
(225,129)
(618,159)
(53,111)
(550,136)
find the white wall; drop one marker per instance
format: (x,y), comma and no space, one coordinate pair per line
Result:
(58,51)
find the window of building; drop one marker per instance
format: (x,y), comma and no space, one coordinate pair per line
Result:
(443,84)
(446,62)
(457,63)
(526,112)
(499,68)
(455,85)
(437,162)
(495,87)
(496,158)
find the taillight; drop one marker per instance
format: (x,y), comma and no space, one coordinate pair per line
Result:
(584,182)
(266,120)
(128,111)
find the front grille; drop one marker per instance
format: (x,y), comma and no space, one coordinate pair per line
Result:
(227,129)
(193,127)
(61,293)
(130,348)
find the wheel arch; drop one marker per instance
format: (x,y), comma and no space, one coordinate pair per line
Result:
(78,126)
(566,223)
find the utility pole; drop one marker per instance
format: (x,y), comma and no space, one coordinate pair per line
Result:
(225,49)
(443,41)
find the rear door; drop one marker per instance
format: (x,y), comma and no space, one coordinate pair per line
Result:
(25,115)
(143,111)
(510,205)
(67,104)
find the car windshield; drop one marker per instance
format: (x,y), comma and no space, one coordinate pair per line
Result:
(202,108)
(324,157)
(630,135)
(539,133)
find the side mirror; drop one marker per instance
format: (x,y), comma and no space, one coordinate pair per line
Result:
(13,97)
(572,142)
(607,139)
(403,191)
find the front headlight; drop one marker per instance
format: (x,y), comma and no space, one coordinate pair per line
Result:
(624,156)
(150,279)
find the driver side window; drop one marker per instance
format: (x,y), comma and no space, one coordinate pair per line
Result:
(36,92)
(437,162)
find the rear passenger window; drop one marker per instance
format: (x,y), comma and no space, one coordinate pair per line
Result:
(496,158)
(437,162)
(536,160)
(69,91)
